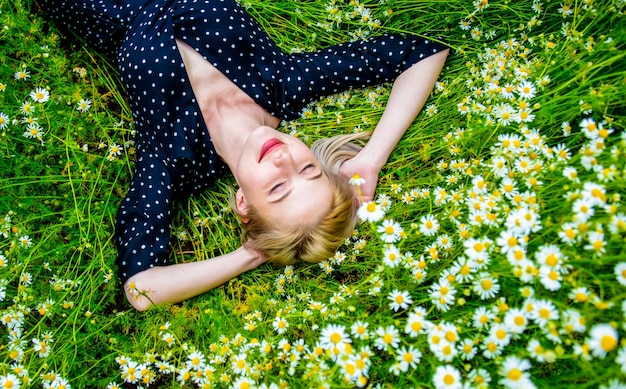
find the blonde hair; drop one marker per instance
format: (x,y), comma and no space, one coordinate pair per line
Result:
(317,240)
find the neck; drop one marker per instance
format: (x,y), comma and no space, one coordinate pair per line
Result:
(231,125)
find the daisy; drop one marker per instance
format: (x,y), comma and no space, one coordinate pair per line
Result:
(499,334)
(83,105)
(33,131)
(243,383)
(387,337)
(195,360)
(444,241)
(621,359)
(21,74)
(507,241)
(543,312)
(477,250)
(4,120)
(334,337)
(550,255)
(416,323)
(428,225)
(513,373)
(583,209)
(526,90)
(445,351)
(392,256)
(447,377)
(479,378)
(442,294)
(280,324)
(399,300)
(505,114)
(482,317)
(499,166)
(516,320)
(486,286)
(390,231)
(384,201)
(10,381)
(490,348)
(597,243)
(589,128)
(603,339)
(408,358)
(40,95)
(617,223)
(370,212)
(27,108)
(467,349)
(356,180)
(359,330)
(620,273)
(571,173)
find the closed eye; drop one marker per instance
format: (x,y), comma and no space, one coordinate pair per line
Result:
(276,187)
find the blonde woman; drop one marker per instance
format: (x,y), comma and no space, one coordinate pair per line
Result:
(208,88)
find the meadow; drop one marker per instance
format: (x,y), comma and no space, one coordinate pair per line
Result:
(493,256)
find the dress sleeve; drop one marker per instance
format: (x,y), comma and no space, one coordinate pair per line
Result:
(359,64)
(142,228)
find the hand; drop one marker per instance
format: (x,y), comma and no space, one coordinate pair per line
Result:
(365,170)
(255,258)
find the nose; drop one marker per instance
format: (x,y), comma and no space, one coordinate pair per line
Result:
(283,158)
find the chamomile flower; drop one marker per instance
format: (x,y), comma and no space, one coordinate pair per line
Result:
(597,243)
(589,127)
(482,317)
(428,225)
(10,380)
(399,300)
(280,324)
(408,358)
(359,329)
(467,349)
(40,95)
(387,338)
(603,338)
(486,286)
(514,373)
(390,231)
(392,256)
(442,294)
(83,105)
(416,323)
(21,75)
(516,320)
(500,334)
(4,120)
(334,338)
(356,180)
(620,273)
(543,312)
(370,212)
(447,377)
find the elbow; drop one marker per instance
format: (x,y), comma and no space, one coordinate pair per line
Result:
(141,304)
(138,300)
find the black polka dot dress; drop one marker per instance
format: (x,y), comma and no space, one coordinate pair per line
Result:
(175,156)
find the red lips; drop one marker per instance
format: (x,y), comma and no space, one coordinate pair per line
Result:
(269,146)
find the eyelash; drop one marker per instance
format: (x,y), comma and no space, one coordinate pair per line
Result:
(275,187)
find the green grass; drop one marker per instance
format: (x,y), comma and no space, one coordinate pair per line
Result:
(61,184)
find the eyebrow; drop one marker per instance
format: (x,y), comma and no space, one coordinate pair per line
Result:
(284,196)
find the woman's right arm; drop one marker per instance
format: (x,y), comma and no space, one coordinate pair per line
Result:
(178,282)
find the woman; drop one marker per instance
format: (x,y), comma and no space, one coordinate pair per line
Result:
(208,88)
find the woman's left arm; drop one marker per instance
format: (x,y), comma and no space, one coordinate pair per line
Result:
(408,95)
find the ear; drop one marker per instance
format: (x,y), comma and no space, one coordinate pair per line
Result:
(242,205)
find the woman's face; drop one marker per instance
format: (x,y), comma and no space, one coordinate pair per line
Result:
(280,177)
